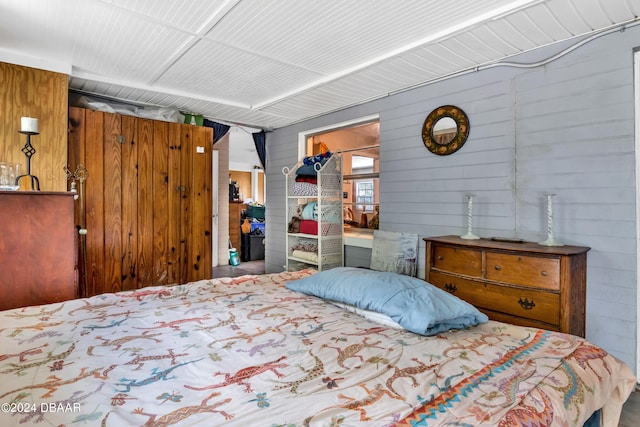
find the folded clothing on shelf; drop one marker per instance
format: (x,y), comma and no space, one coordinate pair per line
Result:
(308,226)
(307,256)
(304,189)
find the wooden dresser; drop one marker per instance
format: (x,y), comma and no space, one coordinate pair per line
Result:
(521,283)
(38,249)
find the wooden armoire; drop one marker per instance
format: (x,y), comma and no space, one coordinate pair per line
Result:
(146,203)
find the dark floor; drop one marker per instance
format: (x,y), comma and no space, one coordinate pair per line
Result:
(630,412)
(246,267)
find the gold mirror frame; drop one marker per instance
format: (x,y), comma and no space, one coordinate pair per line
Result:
(462,123)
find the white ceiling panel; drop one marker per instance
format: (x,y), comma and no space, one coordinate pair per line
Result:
(449,59)
(270,63)
(548,22)
(336,34)
(465,49)
(567,13)
(483,45)
(233,74)
(188,15)
(510,33)
(593,13)
(535,33)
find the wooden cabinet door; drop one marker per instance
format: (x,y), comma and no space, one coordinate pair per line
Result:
(147,200)
(199,155)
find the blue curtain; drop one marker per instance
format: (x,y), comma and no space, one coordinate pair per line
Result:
(219,130)
(260,141)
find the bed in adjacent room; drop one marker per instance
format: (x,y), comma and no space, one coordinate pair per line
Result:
(265,351)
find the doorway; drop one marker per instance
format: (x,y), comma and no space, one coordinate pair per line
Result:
(358,142)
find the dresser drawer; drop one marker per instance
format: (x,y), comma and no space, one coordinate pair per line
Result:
(532,304)
(521,321)
(465,289)
(459,260)
(527,303)
(525,270)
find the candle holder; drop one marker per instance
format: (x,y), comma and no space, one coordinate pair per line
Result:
(81,176)
(29,151)
(469,235)
(551,241)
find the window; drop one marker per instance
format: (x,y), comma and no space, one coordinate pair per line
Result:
(365,195)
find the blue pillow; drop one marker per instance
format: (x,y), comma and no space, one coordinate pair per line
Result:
(415,304)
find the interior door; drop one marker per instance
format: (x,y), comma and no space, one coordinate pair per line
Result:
(197,142)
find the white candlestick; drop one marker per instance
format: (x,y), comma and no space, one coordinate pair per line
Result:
(549,215)
(470,235)
(28,124)
(551,241)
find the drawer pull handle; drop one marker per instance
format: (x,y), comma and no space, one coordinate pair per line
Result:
(544,273)
(450,287)
(526,304)
(497,267)
(440,257)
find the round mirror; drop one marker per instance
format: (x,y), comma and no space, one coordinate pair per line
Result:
(445,130)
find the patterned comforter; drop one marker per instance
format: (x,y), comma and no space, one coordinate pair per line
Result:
(248,352)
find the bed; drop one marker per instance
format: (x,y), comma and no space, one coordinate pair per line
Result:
(249,351)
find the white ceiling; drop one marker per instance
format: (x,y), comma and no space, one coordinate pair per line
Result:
(270,63)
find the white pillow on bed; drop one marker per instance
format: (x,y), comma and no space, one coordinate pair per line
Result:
(415,304)
(374,316)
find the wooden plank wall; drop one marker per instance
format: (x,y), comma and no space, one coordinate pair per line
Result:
(147,201)
(30,92)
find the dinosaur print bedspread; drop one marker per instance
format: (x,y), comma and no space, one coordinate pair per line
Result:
(248,352)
